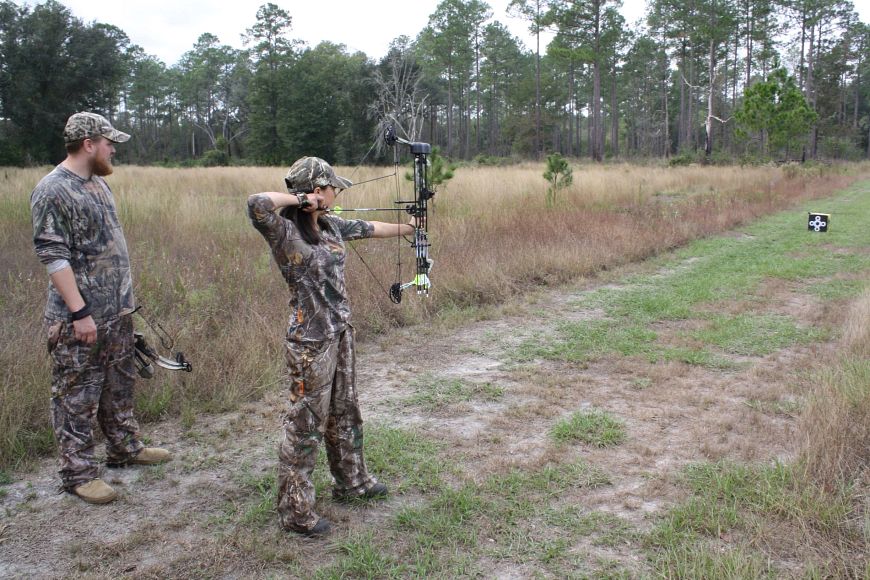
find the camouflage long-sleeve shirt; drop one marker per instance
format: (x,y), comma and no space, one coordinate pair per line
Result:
(74,221)
(319,306)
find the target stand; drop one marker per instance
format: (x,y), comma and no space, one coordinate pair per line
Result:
(819,222)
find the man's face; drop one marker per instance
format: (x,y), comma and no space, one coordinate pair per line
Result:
(101,156)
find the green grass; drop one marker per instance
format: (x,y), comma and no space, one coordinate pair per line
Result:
(30,442)
(263,490)
(580,342)
(529,517)
(740,501)
(758,334)
(153,401)
(402,459)
(609,530)
(693,281)
(851,378)
(837,289)
(788,407)
(434,393)
(362,555)
(595,427)
(702,561)
(503,518)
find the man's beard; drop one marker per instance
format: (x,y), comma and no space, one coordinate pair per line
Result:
(101,167)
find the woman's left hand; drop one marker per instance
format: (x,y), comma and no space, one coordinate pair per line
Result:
(417,222)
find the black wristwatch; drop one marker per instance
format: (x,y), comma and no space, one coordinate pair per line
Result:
(303,200)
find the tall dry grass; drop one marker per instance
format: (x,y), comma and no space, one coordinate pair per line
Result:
(835,453)
(836,424)
(204,273)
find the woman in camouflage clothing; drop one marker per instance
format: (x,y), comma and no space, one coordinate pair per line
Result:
(308,246)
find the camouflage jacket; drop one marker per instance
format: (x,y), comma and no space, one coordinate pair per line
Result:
(319,306)
(74,220)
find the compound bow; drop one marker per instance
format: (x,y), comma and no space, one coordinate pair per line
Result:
(145,354)
(418,208)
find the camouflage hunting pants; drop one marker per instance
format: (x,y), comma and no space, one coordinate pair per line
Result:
(92,382)
(323,405)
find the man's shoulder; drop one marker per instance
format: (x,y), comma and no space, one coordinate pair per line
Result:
(55,183)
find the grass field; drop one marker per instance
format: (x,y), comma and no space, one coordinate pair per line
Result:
(201,270)
(701,414)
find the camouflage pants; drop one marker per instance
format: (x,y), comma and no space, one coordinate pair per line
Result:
(323,405)
(88,382)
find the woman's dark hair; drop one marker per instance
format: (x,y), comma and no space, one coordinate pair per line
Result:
(304,223)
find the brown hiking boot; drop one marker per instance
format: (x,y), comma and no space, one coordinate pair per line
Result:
(151,456)
(95,491)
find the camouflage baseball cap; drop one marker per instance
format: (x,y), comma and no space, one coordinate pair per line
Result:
(310,172)
(88,125)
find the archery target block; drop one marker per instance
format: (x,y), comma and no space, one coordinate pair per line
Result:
(819,222)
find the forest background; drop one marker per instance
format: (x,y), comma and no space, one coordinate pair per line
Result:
(707,80)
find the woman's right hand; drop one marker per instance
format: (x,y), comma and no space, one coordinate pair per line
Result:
(316,202)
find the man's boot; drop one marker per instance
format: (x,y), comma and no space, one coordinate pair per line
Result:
(95,491)
(151,456)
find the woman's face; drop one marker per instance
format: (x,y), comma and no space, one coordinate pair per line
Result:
(329,193)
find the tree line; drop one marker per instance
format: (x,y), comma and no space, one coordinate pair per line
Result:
(696,79)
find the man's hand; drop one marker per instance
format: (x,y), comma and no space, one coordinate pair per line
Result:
(85,330)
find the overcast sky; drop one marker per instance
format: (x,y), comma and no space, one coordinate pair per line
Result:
(169,28)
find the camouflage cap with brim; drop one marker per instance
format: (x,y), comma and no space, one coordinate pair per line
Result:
(89,125)
(310,172)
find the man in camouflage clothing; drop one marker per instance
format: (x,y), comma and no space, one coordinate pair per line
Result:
(307,243)
(88,314)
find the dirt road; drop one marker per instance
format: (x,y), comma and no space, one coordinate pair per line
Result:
(473,389)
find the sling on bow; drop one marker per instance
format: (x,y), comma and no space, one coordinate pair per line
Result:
(419,209)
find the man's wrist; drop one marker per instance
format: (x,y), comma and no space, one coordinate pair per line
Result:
(81,313)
